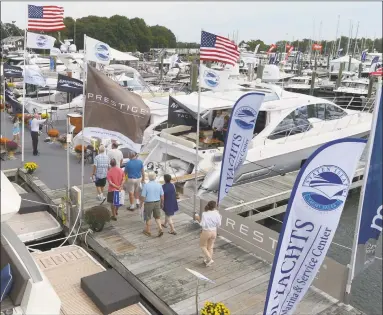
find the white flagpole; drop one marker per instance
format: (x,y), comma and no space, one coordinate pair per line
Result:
(25,69)
(82,122)
(5,129)
(369,147)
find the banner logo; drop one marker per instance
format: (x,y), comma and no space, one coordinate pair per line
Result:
(326,188)
(245,117)
(102,52)
(211,78)
(41,41)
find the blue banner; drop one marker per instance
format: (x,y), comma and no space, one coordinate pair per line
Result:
(240,132)
(370,213)
(311,219)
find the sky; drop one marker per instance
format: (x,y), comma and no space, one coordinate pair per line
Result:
(269,21)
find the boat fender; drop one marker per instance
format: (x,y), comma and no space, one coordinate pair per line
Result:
(241,64)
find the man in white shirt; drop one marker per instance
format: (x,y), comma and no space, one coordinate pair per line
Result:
(116,154)
(35,128)
(218,126)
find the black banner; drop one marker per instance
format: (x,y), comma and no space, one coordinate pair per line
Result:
(12,71)
(10,98)
(69,85)
(179,115)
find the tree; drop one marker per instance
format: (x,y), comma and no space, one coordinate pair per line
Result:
(162,37)
(10,29)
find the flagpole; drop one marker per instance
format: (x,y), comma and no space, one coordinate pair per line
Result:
(369,146)
(3,136)
(197,138)
(25,70)
(82,126)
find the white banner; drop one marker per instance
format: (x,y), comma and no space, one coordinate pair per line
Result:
(94,132)
(239,134)
(97,51)
(33,76)
(213,79)
(311,219)
(40,41)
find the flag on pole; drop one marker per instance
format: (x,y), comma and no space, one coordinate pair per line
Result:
(377,73)
(340,52)
(12,71)
(312,217)
(47,18)
(239,135)
(97,51)
(11,100)
(316,47)
(256,49)
(364,55)
(371,203)
(33,76)
(112,112)
(213,79)
(374,64)
(218,48)
(271,48)
(40,41)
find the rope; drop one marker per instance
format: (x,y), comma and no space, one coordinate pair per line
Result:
(58,239)
(41,203)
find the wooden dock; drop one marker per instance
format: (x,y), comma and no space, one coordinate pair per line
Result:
(156,266)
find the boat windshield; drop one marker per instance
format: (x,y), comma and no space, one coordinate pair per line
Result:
(356,85)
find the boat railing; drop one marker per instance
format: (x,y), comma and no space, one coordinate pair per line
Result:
(304,128)
(353,102)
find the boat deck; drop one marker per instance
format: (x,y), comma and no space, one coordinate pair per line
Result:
(64,267)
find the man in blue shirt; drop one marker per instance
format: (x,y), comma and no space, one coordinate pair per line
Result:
(152,197)
(134,169)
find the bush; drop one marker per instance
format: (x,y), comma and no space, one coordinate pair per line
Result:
(30,166)
(214,309)
(53,133)
(44,115)
(11,146)
(96,217)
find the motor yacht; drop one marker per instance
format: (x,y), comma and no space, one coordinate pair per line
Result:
(301,84)
(289,127)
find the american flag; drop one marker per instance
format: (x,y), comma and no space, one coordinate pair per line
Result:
(48,18)
(218,48)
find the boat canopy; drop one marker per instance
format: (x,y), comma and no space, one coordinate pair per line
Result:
(10,199)
(119,55)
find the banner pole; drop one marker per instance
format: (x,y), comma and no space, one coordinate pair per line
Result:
(5,129)
(351,266)
(25,70)
(197,143)
(82,127)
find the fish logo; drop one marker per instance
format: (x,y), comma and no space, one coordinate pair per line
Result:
(245,117)
(326,188)
(211,78)
(41,41)
(102,52)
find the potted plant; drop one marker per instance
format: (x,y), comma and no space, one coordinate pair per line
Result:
(78,150)
(202,136)
(211,308)
(53,134)
(63,140)
(44,115)
(30,167)
(96,217)
(11,148)
(3,142)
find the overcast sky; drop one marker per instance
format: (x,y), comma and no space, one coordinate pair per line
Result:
(269,21)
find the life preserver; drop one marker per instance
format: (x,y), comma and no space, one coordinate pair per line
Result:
(241,64)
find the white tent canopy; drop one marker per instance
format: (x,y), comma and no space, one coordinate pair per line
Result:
(118,55)
(335,64)
(10,199)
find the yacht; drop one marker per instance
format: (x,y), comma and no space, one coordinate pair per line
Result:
(349,87)
(290,127)
(301,84)
(31,292)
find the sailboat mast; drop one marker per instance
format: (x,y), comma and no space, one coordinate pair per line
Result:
(336,37)
(356,38)
(349,37)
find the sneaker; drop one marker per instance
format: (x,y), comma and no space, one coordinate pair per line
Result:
(99,197)
(208,264)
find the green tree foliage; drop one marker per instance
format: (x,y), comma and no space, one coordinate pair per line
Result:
(10,29)
(162,37)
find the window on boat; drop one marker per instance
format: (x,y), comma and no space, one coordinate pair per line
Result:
(261,122)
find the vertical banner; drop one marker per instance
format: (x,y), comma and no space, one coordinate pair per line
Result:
(312,216)
(239,134)
(370,212)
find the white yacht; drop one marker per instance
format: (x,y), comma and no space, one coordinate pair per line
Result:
(301,84)
(350,87)
(31,292)
(289,128)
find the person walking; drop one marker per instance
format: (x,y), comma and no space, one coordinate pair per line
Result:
(134,169)
(115,153)
(16,130)
(170,203)
(209,222)
(35,130)
(115,179)
(152,199)
(100,171)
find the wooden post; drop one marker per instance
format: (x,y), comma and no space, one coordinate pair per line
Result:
(260,71)
(161,66)
(194,77)
(341,68)
(313,75)
(370,84)
(349,63)
(360,70)
(328,62)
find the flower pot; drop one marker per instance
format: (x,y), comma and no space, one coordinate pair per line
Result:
(30,171)
(11,154)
